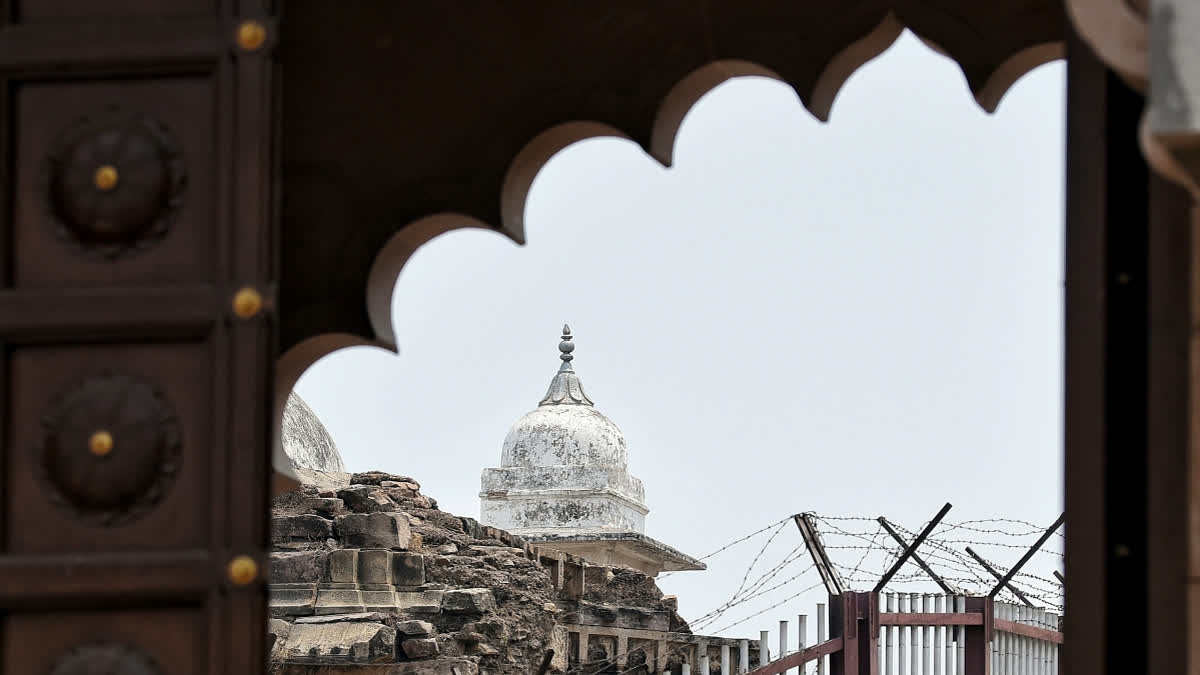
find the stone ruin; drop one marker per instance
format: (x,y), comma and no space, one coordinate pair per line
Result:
(369,577)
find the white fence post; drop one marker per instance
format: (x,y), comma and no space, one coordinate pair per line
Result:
(744,656)
(1006,659)
(1054,625)
(889,637)
(927,639)
(725,669)
(820,636)
(960,639)
(702,659)
(915,633)
(783,646)
(1039,646)
(764,648)
(801,636)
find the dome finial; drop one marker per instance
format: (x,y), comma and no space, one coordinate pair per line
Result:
(566,346)
(566,387)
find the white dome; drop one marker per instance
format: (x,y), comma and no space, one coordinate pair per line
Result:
(563,467)
(564,479)
(306,441)
(558,435)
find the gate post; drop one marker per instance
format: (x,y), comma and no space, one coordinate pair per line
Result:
(868,633)
(979,638)
(854,617)
(843,623)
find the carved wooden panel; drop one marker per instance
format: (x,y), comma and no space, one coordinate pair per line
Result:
(156,219)
(141,490)
(29,11)
(130,642)
(136,164)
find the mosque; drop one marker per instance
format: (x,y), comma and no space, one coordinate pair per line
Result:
(564,481)
(563,478)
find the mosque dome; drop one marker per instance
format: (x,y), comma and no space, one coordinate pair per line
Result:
(563,465)
(306,442)
(565,429)
(564,480)
(564,434)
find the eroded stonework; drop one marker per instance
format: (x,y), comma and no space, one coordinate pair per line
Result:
(369,576)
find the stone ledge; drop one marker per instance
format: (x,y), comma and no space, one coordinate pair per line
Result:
(355,642)
(435,667)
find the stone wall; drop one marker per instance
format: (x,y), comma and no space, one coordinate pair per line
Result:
(370,577)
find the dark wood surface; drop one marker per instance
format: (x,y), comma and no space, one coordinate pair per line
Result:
(116,315)
(1129,256)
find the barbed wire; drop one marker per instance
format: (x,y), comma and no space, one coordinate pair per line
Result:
(875,552)
(733,543)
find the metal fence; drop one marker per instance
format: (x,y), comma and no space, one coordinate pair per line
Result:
(918,634)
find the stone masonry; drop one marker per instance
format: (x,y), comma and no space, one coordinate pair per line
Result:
(369,577)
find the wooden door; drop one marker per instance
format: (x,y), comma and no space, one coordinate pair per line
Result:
(137,339)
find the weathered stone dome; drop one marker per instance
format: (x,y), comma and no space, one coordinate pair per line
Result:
(557,435)
(563,465)
(306,442)
(564,480)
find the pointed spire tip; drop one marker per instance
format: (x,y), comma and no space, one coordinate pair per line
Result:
(566,346)
(566,387)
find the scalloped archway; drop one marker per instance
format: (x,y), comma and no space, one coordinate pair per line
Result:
(476,107)
(467,117)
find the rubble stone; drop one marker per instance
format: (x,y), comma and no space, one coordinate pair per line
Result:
(447,666)
(378,477)
(414,627)
(468,601)
(334,618)
(420,602)
(374,530)
(365,499)
(465,598)
(302,529)
(420,648)
(298,567)
(353,642)
(326,507)
(408,569)
(375,569)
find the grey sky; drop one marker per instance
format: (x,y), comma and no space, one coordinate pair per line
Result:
(854,318)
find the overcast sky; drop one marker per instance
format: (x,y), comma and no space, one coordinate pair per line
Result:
(858,318)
